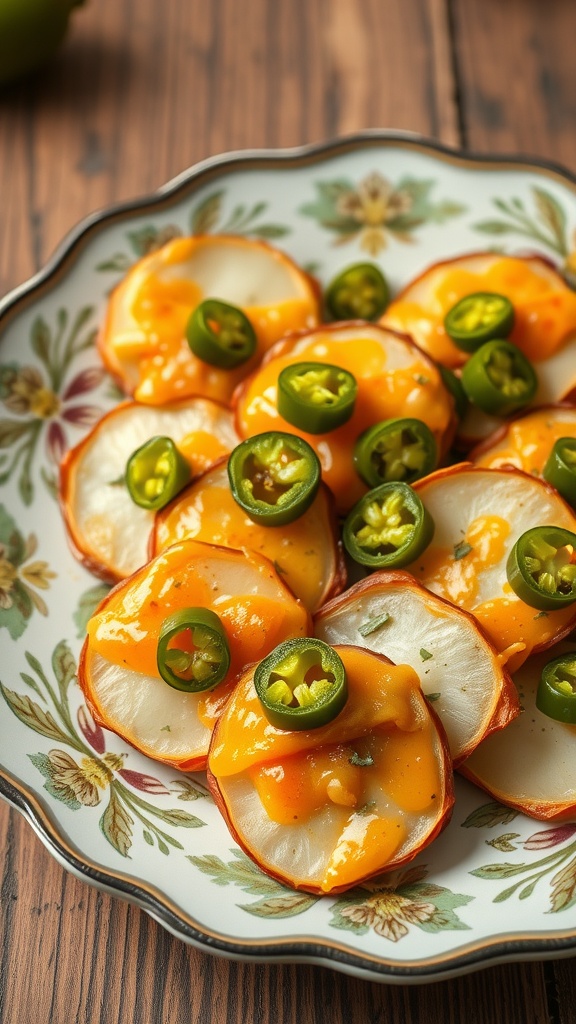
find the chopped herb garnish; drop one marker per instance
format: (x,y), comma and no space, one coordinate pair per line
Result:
(421,379)
(373,624)
(279,569)
(165,728)
(361,762)
(425,655)
(367,808)
(118,482)
(462,549)
(541,615)
(433,696)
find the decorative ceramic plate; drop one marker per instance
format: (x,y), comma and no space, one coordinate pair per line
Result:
(495,886)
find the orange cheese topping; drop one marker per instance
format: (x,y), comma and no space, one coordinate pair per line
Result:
(377,764)
(201,450)
(529,441)
(303,552)
(125,631)
(144,335)
(514,627)
(379,694)
(384,392)
(457,579)
(545,313)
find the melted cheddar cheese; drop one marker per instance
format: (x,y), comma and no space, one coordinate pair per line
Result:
(545,310)
(144,340)
(304,552)
(528,441)
(378,766)
(388,387)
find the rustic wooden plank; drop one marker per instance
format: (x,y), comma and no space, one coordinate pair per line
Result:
(516,76)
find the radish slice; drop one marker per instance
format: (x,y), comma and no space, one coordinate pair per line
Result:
(109,533)
(117,670)
(530,766)
(479,514)
(307,552)
(391,614)
(544,306)
(526,442)
(324,809)
(143,340)
(394,377)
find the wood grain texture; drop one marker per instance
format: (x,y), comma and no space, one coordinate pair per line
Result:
(515,64)
(140,91)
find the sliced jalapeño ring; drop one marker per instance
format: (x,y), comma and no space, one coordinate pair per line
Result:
(220,334)
(359,292)
(316,397)
(274,477)
(556,693)
(301,684)
(193,653)
(398,449)
(478,318)
(541,567)
(499,379)
(560,468)
(155,473)
(388,528)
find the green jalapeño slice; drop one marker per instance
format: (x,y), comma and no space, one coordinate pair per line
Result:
(155,473)
(302,684)
(556,694)
(220,334)
(316,397)
(359,292)
(398,449)
(499,379)
(388,528)
(274,477)
(479,318)
(560,468)
(193,652)
(541,567)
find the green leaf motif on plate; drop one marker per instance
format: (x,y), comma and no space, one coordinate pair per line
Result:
(489,815)
(546,223)
(562,862)
(86,606)
(244,219)
(205,218)
(375,210)
(278,901)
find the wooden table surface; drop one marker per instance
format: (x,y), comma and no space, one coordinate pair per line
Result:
(140,91)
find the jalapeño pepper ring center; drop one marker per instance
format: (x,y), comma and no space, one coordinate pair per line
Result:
(274,477)
(220,334)
(556,694)
(193,653)
(358,292)
(478,318)
(156,472)
(399,449)
(541,567)
(389,527)
(316,397)
(301,684)
(498,378)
